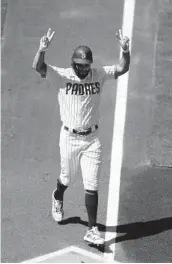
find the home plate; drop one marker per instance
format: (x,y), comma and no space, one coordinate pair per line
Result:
(70,254)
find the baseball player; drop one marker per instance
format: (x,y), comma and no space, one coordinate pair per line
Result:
(79,88)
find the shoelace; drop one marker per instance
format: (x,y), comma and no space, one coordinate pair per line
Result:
(95,231)
(58,206)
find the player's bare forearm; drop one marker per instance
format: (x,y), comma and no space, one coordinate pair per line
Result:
(38,63)
(124,64)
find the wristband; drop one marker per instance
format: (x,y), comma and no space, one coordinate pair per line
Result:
(42,50)
(126,50)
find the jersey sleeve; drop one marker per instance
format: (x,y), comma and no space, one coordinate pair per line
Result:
(108,73)
(55,72)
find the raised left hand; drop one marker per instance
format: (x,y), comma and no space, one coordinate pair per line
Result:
(123,41)
(46,40)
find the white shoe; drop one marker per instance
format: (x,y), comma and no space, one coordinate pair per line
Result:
(57,209)
(93,236)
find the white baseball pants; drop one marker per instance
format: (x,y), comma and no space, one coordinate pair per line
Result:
(83,151)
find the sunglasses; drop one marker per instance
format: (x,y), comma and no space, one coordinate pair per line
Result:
(83,66)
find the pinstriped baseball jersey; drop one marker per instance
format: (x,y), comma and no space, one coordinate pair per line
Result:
(79,99)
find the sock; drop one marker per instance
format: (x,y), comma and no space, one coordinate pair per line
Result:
(58,194)
(91,203)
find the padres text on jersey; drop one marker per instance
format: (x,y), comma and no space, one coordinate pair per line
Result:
(82,88)
(79,99)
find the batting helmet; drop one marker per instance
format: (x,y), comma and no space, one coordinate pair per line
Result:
(82,55)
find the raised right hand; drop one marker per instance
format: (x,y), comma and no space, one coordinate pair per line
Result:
(123,41)
(46,40)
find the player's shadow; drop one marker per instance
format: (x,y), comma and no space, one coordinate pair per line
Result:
(78,220)
(139,230)
(73,220)
(130,231)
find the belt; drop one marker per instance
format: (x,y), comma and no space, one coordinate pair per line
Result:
(82,133)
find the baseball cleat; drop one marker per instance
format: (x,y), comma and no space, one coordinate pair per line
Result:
(93,237)
(57,209)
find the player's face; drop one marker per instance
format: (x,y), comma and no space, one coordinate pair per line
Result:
(82,70)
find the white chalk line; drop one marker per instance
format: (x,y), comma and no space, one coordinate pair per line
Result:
(66,251)
(118,136)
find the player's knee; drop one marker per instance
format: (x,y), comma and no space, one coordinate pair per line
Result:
(60,185)
(91,192)
(64,180)
(90,186)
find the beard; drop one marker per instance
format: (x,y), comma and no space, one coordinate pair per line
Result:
(82,74)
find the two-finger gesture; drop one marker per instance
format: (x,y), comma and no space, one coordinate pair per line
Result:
(46,40)
(123,41)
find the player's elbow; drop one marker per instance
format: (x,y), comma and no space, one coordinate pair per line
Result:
(126,69)
(122,69)
(40,70)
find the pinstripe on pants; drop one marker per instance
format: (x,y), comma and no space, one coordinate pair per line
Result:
(83,151)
